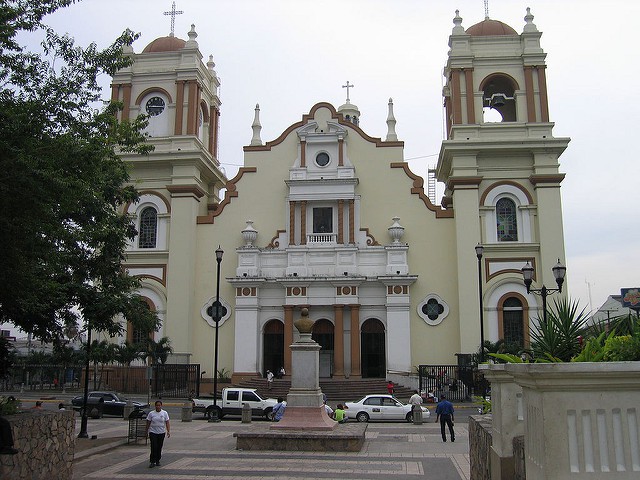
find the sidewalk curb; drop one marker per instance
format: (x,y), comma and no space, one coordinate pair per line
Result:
(107,446)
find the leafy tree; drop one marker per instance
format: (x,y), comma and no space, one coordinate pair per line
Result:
(7,357)
(101,352)
(62,234)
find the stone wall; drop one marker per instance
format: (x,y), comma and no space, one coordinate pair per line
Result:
(518,456)
(480,447)
(46,444)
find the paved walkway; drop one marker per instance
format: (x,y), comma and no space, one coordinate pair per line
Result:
(201,450)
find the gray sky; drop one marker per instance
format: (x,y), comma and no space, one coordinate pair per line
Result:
(288,55)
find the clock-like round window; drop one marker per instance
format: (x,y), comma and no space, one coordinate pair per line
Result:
(155,106)
(322,159)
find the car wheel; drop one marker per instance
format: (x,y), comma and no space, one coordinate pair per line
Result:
(409,417)
(209,412)
(362,417)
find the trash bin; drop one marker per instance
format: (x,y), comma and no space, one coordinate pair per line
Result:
(137,426)
(246,413)
(417,415)
(187,412)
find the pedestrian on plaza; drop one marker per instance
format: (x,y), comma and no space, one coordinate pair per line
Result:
(339,415)
(157,427)
(37,406)
(415,401)
(390,387)
(278,409)
(61,407)
(269,379)
(444,413)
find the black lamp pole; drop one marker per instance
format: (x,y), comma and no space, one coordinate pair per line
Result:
(83,423)
(559,271)
(216,313)
(479,251)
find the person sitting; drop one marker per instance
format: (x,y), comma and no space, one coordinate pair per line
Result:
(431,397)
(278,409)
(339,415)
(328,409)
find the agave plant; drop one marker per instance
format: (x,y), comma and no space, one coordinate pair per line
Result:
(558,339)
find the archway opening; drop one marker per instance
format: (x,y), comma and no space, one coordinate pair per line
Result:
(273,346)
(323,334)
(372,349)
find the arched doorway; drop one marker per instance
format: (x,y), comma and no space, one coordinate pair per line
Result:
(273,346)
(322,333)
(372,349)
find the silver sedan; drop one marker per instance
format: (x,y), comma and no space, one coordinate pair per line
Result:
(381,407)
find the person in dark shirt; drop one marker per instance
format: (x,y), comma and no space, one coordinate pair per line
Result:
(444,413)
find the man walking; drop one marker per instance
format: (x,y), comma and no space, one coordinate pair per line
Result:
(157,427)
(444,413)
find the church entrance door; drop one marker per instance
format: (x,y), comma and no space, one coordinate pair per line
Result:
(372,349)
(323,331)
(273,347)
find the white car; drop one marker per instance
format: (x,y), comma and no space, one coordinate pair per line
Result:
(381,407)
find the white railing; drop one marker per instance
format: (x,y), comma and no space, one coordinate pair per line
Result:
(321,238)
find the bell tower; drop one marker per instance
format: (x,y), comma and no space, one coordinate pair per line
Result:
(179,180)
(499,163)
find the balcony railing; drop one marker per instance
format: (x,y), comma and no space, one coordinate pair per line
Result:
(321,238)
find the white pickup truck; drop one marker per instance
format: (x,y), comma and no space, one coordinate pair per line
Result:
(231,403)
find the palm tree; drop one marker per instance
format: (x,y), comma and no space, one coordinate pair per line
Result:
(102,352)
(125,355)
(559,338)
(159,351)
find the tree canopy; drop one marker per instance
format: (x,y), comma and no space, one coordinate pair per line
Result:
(62,231)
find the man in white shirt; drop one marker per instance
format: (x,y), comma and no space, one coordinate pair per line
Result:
(415,401)
(157,427)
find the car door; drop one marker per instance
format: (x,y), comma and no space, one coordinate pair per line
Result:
(254,402)
(111,406)
(373,407)
(392,409)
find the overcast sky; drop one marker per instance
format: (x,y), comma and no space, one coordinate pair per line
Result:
(288,55)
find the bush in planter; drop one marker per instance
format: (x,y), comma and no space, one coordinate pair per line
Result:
(9,405)
(622,348)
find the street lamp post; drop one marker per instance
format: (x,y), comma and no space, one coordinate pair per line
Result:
(479,251)
(216,314)
(559,272)
(83,423)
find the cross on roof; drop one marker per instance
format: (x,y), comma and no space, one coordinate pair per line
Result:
(347,86)
(173,14)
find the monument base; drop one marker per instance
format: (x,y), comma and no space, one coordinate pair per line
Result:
(346,437)
(305,418)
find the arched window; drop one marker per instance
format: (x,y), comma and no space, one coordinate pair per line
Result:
(148,228)
(506,219)
(513,321)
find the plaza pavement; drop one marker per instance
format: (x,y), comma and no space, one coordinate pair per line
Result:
(201,450)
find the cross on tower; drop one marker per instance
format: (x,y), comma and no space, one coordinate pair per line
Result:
(173,14)
(347,86)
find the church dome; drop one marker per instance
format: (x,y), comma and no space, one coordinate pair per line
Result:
(490,27)
(165,44)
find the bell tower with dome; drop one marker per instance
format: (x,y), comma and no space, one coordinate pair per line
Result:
(499,163)
(178,181)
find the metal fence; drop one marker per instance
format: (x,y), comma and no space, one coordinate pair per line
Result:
(166,381)
(458,382)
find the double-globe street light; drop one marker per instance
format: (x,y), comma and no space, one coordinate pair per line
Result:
(216,315)
(559,272)
(479,251)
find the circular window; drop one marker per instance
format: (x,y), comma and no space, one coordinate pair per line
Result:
(154,106)
(433,310)
(322,159)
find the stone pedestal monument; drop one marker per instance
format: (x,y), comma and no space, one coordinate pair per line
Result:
(305,410)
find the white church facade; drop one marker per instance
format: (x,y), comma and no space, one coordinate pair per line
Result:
(327,217)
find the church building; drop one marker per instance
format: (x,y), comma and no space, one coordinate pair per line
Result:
(327,217)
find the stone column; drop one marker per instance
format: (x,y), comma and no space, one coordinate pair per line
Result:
(338,341)
(355,341)
(507,419)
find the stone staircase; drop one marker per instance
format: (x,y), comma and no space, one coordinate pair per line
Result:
(337,390)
